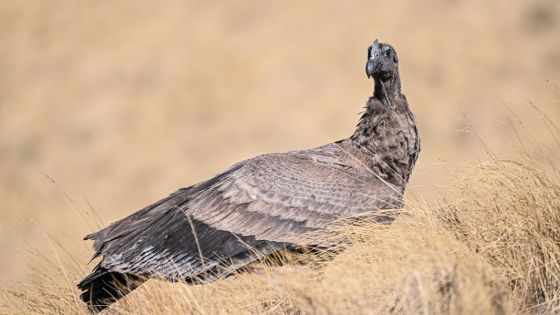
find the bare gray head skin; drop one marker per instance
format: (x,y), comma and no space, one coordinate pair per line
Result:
(383,66)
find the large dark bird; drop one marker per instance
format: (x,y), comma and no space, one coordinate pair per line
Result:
(261,205)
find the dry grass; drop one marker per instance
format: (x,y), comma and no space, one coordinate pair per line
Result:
(490,248)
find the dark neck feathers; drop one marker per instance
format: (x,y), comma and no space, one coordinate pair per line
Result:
(388,90)
(387,132)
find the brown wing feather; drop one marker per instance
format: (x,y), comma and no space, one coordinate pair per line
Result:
(258,206)
(287,195)
(274,197)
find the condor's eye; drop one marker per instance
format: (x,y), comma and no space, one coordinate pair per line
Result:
(387,53)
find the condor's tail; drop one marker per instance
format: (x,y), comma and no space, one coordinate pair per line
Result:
(103,287)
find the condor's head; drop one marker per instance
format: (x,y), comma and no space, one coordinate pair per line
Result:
(382,63)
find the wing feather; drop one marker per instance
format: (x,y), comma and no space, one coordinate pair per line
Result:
(252,209)
(285,195)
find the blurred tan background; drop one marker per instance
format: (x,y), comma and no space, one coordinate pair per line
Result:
(111,105)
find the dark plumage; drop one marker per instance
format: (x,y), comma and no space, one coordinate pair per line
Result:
(207,231)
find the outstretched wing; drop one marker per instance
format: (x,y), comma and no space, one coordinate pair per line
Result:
(254,208)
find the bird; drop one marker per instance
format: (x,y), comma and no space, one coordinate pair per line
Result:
(259,206)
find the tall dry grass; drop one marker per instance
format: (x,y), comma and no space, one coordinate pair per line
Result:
(489,245)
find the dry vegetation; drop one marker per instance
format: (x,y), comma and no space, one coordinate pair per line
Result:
(106,106)
(492,247)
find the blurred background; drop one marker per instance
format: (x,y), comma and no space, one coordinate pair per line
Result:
(110,106)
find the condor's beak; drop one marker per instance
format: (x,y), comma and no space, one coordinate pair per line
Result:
(372,66)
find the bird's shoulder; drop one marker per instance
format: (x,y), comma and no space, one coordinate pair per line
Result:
(314,166)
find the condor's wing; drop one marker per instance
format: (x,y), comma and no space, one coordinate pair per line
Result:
(255,207)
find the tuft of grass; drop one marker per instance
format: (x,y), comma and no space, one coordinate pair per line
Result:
(509,213)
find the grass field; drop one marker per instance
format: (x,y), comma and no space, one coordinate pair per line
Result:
(107,106)
(489,247)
